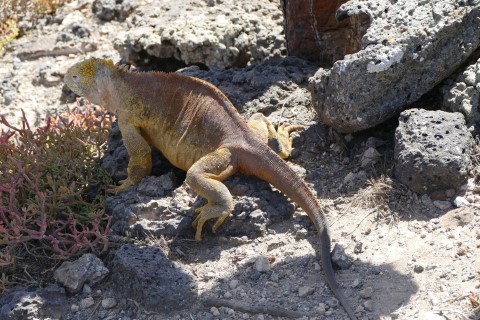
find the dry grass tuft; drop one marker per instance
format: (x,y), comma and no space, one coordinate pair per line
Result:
(383,196)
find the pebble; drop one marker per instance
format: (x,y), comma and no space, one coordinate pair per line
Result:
(262,264)
(366,293)
(86,289)
(356,283)
(369,157)
(86,303)
(215,311)
(460,202)
(333,302)
(450,193)
(418,268)
(358,247)
(305,291)
(442,204)
(248,260)
(426,200)
(274,277)
(229,311)
(322,308)
(461,251)
(74,308)
(233,284)
(227,295)
(359,309)
(109,303)
(368,305)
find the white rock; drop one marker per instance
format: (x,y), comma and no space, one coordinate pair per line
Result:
(460,202)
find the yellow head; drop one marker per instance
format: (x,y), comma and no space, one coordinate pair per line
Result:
(85,78)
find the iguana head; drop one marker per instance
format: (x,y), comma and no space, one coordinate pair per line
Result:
(87,78)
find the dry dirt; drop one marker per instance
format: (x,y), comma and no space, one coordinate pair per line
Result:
(411,259)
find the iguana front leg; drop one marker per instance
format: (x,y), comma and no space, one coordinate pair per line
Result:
(205,177)
(279,140)
(140,164)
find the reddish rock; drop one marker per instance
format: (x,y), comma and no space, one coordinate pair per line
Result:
(314,33)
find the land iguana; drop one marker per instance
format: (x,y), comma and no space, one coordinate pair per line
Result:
(198,130)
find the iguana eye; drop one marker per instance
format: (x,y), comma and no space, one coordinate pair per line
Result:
(75,77)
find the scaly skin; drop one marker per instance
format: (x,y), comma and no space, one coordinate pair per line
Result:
(198,130)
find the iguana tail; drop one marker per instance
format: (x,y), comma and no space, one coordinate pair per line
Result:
(265,164)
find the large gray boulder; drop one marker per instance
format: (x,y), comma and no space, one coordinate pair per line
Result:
(409,48)
(220,34)
(462,94)
(147,276)
(22,303)
(432,150)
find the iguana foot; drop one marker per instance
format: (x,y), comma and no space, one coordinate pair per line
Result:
(207,212)
(278,140)
(284,140)
(124,185)
(205,177)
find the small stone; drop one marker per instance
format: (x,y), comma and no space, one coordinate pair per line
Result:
(301,234)
(460,202)
(356,283)
(450,193)
(321,309)
(418,268)
(369,157)
(359,309)
(86,289)
(461,251)
(305,291)
(262,264)
(425,199)
(358,247)
(233,284)
(366,293)
(74,274)
(109,303)
(340,258)
(368,305)
(215,311)
(74,308)
(444,205)
(86,303)
(274,277)
(227,295)
(333,303)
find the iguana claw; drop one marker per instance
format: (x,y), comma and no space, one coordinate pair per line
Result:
(124,185)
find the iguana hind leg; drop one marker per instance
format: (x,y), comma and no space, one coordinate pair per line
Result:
(279,140)
(205,177)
